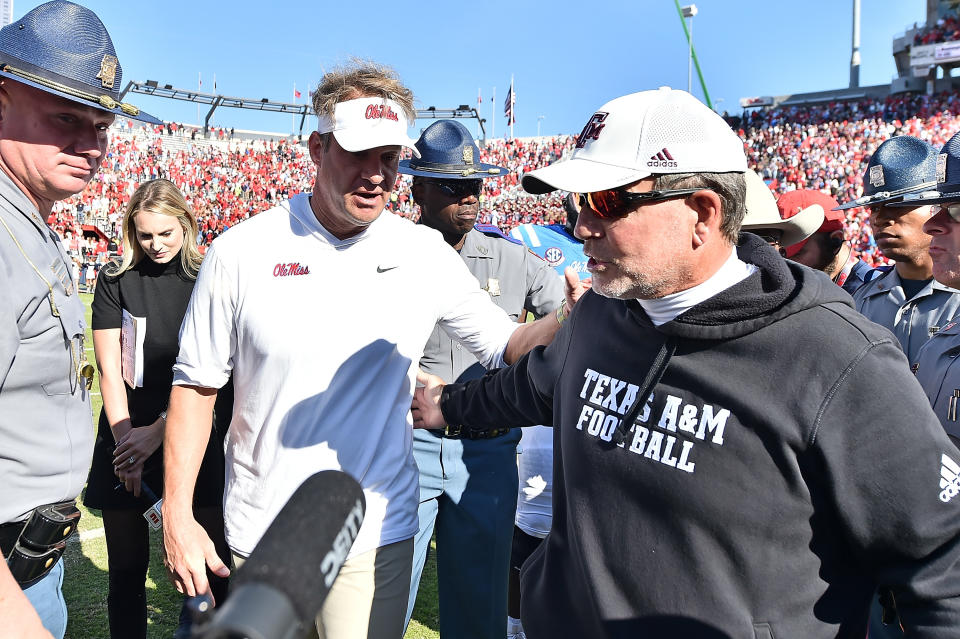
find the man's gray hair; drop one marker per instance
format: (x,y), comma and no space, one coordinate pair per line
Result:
(731,187)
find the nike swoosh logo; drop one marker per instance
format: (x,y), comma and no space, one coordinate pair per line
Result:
(382,269)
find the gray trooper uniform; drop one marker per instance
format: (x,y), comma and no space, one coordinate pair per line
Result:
(913,321)
(46,430)
(938,371)
(468,488)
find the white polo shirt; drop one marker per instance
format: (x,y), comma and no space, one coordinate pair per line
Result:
(323,337)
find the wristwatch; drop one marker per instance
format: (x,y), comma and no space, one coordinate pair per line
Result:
(562,312)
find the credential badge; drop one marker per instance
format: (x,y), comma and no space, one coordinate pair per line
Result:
(876,176)
(941,168)
(493,286)
(468,155)
(108,71)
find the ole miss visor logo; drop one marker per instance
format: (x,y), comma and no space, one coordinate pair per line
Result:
(380,112)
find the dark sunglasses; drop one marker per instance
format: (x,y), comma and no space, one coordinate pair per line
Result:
(616,203)
(458,188)
(952,209)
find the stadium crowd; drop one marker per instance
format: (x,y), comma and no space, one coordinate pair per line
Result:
(946,29)
(828,146)
(228,179)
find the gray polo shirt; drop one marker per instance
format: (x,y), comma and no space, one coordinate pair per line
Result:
(46,430)
(913,321)
(514,277)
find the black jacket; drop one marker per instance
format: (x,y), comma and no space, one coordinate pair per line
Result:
(785,464)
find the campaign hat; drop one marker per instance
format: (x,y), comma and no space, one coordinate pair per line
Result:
(639,135)
(900,166)
(948,178)
(64,49)
(447,151)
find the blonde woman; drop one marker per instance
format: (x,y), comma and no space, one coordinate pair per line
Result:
(153,281)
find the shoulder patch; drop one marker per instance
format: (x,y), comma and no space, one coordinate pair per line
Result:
(493,231)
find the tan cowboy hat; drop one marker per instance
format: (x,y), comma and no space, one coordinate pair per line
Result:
(762,213)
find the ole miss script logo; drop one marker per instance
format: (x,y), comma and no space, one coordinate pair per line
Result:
(380,112)
(593,129)
(291,268)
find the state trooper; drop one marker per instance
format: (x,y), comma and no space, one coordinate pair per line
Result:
(468,487)
(906,299)
(59,93)
(937,368)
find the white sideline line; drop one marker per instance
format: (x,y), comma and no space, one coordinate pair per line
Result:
(86,535)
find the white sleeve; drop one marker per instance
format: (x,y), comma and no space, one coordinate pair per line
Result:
(208,336)
(468,315)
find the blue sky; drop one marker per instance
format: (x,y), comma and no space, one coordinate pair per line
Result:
(567,57)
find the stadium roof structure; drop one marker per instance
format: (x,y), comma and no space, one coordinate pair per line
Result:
(154,88)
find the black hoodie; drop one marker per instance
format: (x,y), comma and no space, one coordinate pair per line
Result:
(785,464)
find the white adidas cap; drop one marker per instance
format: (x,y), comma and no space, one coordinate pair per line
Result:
(641,134)
(366,123)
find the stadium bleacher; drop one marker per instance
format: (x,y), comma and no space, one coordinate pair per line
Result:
(227,179)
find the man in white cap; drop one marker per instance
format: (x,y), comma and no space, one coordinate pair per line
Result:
(320,308)
(703,488)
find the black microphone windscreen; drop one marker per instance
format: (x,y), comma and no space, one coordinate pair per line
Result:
(305,546)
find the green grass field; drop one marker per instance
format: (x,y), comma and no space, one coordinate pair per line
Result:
(85,584)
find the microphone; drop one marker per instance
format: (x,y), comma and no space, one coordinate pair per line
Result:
(279,590)
(151,501)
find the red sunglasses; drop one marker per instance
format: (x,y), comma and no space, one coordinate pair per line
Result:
(616,203)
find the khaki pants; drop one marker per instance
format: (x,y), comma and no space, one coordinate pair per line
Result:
(369,598)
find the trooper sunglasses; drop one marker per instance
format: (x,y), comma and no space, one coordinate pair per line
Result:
(458,188)
(616,203)
(952,209)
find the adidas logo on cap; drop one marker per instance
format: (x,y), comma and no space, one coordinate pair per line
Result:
(663,159)
(949,479)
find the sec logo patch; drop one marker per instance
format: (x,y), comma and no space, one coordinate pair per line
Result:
(553,255)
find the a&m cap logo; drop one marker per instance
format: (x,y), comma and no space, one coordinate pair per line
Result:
(593,129)
(876,176)
(108,71)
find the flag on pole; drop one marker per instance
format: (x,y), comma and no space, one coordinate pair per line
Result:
(296,94)
(479,98)
(508,105)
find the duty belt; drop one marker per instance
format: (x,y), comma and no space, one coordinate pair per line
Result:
(39,543)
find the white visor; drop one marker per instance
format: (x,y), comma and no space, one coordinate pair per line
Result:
(366,123)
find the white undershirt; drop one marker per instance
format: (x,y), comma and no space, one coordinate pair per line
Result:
(667,308)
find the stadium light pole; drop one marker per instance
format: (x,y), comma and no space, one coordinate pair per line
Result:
(539,117)
(689,11)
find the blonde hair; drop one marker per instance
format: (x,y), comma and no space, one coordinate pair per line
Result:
(163,197)
(361,78)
